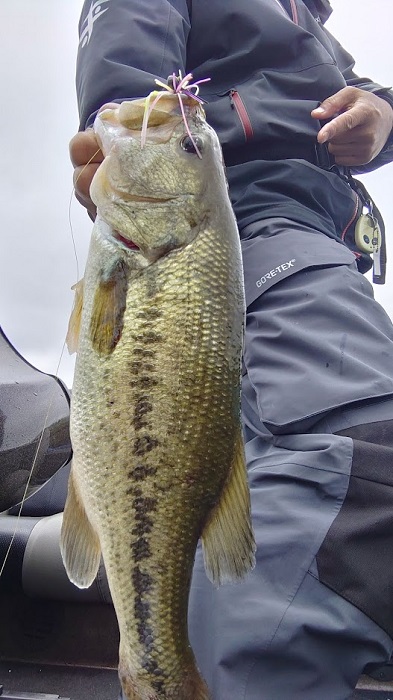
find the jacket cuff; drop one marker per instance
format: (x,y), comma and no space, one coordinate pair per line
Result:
(387,95)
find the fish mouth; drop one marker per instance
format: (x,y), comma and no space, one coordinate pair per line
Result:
(153,200)
(125,241)
(129,197)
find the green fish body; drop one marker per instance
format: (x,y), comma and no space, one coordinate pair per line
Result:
(155,416)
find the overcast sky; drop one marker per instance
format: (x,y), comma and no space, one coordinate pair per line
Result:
(38,116)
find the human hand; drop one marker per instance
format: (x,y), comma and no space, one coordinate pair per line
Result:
(359,128)
(86,157)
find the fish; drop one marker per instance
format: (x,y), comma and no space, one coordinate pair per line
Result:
(158,455)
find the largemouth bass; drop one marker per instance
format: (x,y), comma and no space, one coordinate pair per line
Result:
(155,417)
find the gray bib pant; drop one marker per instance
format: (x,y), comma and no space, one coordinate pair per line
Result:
(318,424)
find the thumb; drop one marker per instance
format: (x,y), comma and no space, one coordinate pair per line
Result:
(333,105)
(340,111)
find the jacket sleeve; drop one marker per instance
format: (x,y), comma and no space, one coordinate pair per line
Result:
(123,46)
(346,64)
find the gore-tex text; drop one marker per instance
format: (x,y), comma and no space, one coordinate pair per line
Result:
(275,271)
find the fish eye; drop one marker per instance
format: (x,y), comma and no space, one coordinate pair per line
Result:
(189,144)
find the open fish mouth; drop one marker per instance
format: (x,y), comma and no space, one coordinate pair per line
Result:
(125,241)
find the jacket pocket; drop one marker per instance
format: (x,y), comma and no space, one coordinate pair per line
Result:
(268,263)
(229,113)
(241,110)
(258,109)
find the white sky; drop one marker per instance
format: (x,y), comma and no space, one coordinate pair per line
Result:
(38,116)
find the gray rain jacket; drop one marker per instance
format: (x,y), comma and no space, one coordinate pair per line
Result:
(270,64)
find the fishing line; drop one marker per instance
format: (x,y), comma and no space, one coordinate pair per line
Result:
(56,375)
(69,211)
(35,459)
(72,233)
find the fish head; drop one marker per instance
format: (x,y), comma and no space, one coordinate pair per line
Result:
(158,186)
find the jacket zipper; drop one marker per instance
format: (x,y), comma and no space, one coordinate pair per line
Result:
(238,104)
(295,17)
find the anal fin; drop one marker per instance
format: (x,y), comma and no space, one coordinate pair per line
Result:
(228,539)
(79,543)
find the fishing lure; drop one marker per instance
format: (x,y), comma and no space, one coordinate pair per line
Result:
(181,87)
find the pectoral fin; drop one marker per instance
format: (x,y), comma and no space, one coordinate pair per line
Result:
(228,540)
(79,543)
(106,322)
(74,324)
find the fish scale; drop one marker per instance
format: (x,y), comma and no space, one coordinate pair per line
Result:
(155,416)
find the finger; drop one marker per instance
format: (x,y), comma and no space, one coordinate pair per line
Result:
(358,137)
(84,199)
(84,148)
(343,112)
(84,145)
(349,161)
(356,134)
(88,205)
(108,105)
(341,101)
(341,125)
(349,154)
(83,176)
(361,144)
